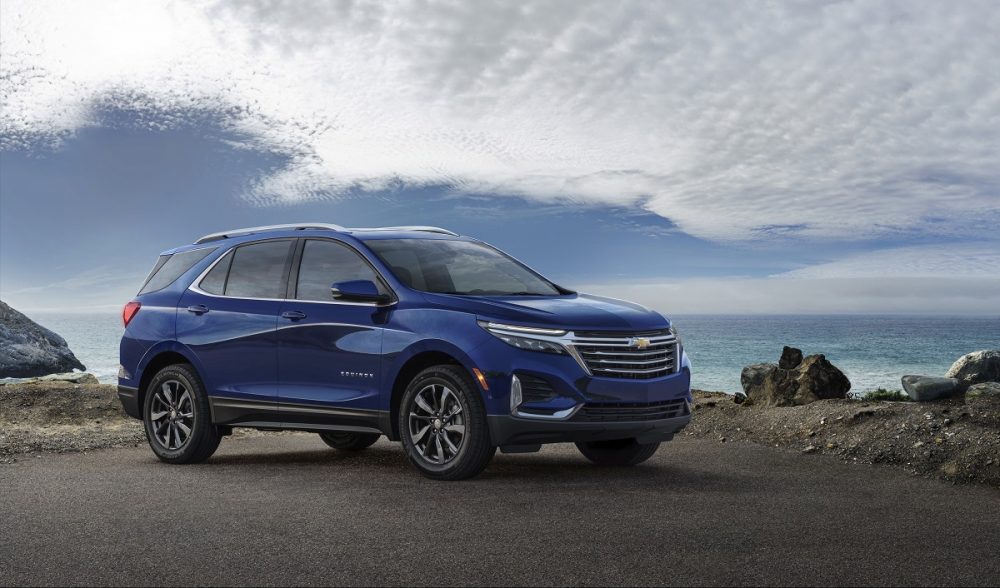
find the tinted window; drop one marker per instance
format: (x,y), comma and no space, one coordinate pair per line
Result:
(169,269)
(258,270)
(215,281)
(458,267)
(325,263)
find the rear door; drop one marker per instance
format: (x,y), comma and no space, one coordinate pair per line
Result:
(329,351)
(228,319)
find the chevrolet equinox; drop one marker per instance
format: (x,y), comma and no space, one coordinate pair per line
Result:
(436,340)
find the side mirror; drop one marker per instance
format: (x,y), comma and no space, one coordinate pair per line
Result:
(358,291)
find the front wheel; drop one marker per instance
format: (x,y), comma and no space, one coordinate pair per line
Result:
(177,418)
(346,441)
(442,422)
(619,452)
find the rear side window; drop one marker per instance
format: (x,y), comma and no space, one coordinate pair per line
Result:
(170,267)
(215,281)
(325,263)
(258,270)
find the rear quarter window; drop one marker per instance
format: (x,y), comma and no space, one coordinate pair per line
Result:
(215,281)
(170,267)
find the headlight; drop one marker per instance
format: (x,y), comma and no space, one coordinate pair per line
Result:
(521,337)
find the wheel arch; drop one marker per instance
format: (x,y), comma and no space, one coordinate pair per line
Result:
(155,360)
(416,362)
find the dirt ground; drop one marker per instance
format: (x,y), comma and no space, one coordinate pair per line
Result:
(943,439)
(940,439)
(61,417)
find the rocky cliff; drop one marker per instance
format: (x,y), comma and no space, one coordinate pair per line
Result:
(28,349)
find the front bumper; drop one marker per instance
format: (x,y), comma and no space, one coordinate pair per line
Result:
(508,430)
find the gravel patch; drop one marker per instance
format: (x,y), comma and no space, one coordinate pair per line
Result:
(944,439)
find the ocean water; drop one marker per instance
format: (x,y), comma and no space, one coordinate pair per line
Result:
(874,351)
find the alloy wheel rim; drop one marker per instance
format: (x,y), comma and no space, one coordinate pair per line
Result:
(172,415)
(437,424)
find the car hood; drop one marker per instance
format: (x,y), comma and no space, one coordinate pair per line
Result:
(573,311)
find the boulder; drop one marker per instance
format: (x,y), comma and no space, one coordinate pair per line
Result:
(984,395)
(813,378)
(983,400)
(819,380)
(766,383)
(72,377)
(790,358)
(976,368)
(67,378)
(28,349)
(927,388)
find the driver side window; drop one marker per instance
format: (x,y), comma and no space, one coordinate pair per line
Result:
(325,263)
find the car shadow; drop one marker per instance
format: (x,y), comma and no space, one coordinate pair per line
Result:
(538,469)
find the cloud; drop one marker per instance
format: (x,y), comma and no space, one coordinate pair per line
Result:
(903,295)
(979,260)
(837,120)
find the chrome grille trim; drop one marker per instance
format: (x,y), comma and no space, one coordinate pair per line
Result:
(616,355)
(665,369)
(631,362)
(633,354)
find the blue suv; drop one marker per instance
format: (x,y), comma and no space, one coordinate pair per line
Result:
(436,340)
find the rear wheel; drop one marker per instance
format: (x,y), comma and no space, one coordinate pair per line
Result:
(347,441)
(442,422)
(177,418)
(619,452)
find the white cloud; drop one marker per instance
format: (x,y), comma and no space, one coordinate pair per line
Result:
(903,295)
(980,260)
(733,120)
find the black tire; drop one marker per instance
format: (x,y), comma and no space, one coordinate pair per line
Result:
(202,438)
(618,452)
(347,441)
(474,450)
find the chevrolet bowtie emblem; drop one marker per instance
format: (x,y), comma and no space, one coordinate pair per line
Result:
(638,342)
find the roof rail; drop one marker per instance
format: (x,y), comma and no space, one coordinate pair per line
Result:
(420,228)
(252,230)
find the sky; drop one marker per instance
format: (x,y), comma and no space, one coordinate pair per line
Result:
(722,157)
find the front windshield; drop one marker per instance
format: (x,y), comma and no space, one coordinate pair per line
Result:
(458,267)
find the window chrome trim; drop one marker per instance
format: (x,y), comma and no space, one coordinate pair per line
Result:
(194,287)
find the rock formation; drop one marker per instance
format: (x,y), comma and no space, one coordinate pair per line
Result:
(28,349)
(806,380)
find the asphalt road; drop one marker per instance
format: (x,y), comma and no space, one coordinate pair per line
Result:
(283,509)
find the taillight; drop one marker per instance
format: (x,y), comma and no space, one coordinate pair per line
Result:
(129,312)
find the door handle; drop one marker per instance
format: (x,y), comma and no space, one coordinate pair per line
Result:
(293,315)
(198,309)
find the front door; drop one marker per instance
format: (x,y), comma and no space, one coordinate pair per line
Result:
(329,352)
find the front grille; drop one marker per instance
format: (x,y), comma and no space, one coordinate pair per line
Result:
(620,411)
(617,355)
